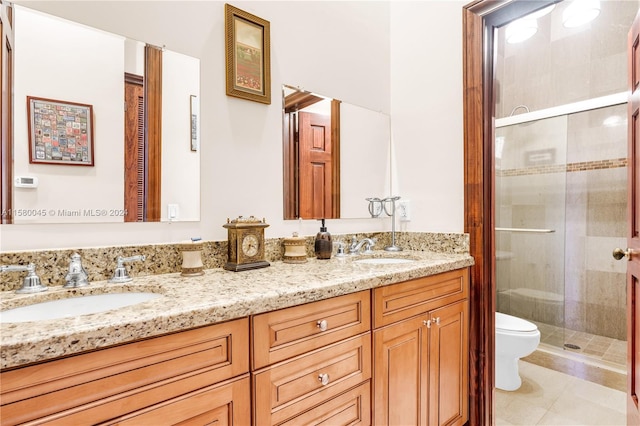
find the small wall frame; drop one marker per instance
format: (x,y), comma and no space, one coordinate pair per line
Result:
(60,132)
(248,55)
(194,113)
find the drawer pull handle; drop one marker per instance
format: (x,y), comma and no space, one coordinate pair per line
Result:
(324,379)
(322,325)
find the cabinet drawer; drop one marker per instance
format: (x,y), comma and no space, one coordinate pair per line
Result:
(227,403)
(97,386)
(403,300)
(288,388)
(289,332)
(350,408)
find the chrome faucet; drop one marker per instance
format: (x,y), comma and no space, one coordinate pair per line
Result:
(356,246)
(120,275)
(31,283)
(77,275)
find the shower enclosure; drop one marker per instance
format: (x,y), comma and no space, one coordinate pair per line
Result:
(560,210)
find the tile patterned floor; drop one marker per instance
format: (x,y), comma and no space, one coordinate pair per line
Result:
(548,397)
(584,385)
(610,352)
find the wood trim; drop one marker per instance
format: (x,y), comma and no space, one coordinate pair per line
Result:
(133,79)
(153,121)
(481,342)
(6,114)
(290,165)
(335,158)
(479,21)
(298,100)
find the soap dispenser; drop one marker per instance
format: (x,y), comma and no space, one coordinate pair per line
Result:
(323,244)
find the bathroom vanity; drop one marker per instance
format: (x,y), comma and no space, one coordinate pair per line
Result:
(333,340)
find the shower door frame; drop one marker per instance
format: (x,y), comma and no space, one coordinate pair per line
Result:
(481,18)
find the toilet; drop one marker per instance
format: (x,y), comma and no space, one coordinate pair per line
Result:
(515,338)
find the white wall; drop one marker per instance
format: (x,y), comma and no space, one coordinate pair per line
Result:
(427,112)
(181,79)
(358,52)
(364,134)
(63,62)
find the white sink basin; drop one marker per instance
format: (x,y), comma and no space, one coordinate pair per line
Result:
(384,260)
(74,306)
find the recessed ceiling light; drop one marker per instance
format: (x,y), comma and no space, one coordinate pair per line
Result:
(580,12)
(521,30)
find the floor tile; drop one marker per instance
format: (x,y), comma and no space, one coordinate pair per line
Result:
(550,397)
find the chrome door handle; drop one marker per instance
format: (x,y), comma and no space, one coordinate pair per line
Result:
(619,253)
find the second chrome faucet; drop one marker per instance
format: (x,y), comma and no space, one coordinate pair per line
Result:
(356,247)
(77,275)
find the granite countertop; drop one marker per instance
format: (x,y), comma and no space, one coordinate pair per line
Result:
(189,302)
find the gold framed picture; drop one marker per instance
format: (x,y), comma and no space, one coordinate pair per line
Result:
(248,55)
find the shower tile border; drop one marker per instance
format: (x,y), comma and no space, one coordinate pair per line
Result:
(561,168)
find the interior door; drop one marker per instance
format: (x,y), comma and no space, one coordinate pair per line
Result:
(632,253)
(134,158)
(6,113)
(315,173)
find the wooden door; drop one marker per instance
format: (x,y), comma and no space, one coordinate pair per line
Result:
(400,377)
(315,165)
(448,365)
(6,113)
(633,233)
(134,158)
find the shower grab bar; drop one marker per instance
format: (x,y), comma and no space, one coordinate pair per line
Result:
(537,231)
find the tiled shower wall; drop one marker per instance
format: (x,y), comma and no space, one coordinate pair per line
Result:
(567,174)
(567,277)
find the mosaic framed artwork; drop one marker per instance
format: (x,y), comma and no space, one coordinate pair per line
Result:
(248,55)
(60,132)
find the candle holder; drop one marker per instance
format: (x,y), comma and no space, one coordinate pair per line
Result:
(192,259)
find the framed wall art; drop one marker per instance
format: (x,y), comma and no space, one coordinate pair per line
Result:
(193,108)
(248,55)
(60,132)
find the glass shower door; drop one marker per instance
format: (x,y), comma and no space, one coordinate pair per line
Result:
(530,188)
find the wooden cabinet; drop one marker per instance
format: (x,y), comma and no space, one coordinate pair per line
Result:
(160,372)
(323,368)
(308,364)
(420,351)
(226,403)
(285,333)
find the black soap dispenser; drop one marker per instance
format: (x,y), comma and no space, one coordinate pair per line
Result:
(323,245)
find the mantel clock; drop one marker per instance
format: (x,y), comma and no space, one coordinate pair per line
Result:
(245,239)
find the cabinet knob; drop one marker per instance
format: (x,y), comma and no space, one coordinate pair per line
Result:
(324,379)
(436,320)
(322,325)
(427,323)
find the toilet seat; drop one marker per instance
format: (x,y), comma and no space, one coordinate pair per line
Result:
(510,323)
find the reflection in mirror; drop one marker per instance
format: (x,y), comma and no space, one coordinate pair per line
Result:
(154,175)
(335,156)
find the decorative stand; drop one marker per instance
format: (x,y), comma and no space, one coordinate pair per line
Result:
(393,246)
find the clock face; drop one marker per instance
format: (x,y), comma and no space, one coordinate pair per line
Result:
(250,245)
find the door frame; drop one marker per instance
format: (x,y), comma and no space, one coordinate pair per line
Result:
(480,19)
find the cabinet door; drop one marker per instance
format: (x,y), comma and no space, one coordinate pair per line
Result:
(400,380)
(97,386)
(224,404)
(286,389)
(351,408)
(448,365)
(285,333)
